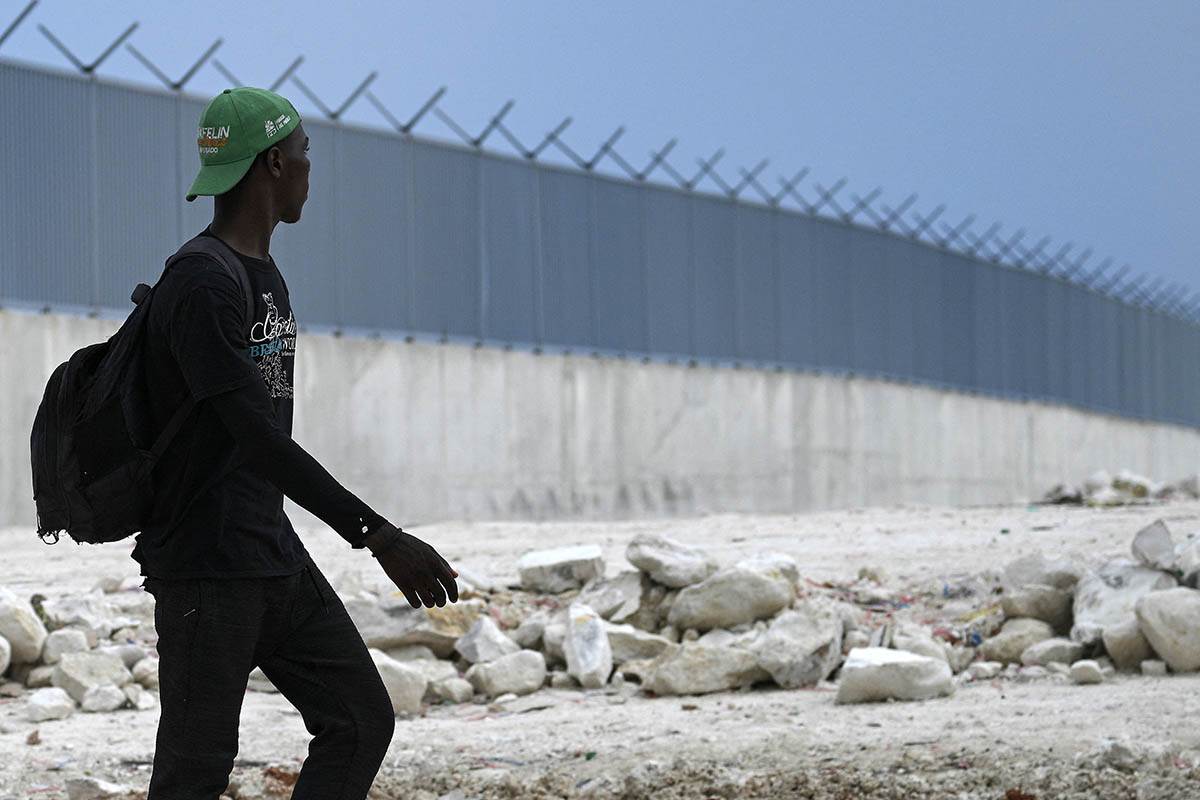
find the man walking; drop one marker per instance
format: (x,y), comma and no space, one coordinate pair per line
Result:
(233,584)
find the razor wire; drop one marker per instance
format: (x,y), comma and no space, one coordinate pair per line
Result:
(866,211)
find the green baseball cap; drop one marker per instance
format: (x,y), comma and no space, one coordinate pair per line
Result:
(235,126)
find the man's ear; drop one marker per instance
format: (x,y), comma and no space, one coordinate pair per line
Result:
(273,160)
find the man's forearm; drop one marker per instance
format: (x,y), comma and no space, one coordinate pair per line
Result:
(271,452)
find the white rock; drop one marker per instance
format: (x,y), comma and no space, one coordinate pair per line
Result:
(802,646)
(78,672)
(1040,601)
(390,622)
(731,596)
(529,633)
(405,685)
(146,701)
(720,637)
(1170,621)
(1153,668)
(1058,573)
(90,612)
(1028,674)
(1097,481)
(875,673)
(519,673)
(128,652)
(1187,560)
(561,680)
(1154,547)
(49,703)
(259,682)
(984,670)
(1086,672)
(145,672)
(616,598)
(485,642)
(560,569)
(5,655)
(1050,651)
(629,643)
(1014,638)
(772,563)
(553,637)
(94,789)
(1133,484)
(39,676)
(21,627)
(669,562)
(454,690)
(697,669)
(586,647)
(914,639)
(63,640)
(1108,596)
(104,697)
(1126,645)
(411,652)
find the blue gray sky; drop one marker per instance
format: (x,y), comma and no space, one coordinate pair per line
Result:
(1076,120)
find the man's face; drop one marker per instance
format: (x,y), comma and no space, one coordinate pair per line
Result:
(293,175)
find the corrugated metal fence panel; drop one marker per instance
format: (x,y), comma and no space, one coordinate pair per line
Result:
(509,251)
(755,276)
(372,208)
(445,233)
(713,286)
(405,234)
(618,274)
(668,230)
(830,248)
(566,230)
(46,211)
(138,206)
(799,306)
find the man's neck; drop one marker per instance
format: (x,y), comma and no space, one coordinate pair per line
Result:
(246,229)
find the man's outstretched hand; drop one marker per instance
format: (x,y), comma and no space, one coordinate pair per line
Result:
(416,568)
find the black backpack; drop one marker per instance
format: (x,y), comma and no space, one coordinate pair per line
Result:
(91,450)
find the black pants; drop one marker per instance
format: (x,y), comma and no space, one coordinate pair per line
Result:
(213,631)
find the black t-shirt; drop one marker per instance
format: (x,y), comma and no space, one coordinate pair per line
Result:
(219,486)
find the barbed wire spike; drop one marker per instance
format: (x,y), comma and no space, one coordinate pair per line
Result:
(87,69)
(20,18)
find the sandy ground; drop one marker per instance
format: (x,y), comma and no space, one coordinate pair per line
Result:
(1004,740)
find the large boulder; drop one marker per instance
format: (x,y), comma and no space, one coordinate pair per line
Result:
(1014,639)
(78,672)
(1059,573)
(669,562)
(5,655)
(731,596)
(1154,547)
(697,669)
(1126,645)
(386,624)
(48,703)
(1040,601)
(485,642)
(560,569)
(63,640)
(519,673)
(1052,651)
(586,647)
(405,685)
(1170,621)
(914,639)
(1107,596)
(104,697)
(772,563)
(90,612)
(629,643)
(22,628)
(802,646)
(616,598)
(875,673)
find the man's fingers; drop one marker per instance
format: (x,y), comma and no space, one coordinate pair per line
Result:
(451,588)
(426,597)
(411,597)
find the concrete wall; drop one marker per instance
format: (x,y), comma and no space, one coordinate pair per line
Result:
(426,431)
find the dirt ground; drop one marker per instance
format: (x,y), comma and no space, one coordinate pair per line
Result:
(1000,739)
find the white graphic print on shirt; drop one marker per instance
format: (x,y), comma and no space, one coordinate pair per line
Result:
(272,339)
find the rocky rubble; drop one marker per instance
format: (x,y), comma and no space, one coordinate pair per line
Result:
(1125,488)
(710,627)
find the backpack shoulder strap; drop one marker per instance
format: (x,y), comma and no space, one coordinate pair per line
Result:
(220,252)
